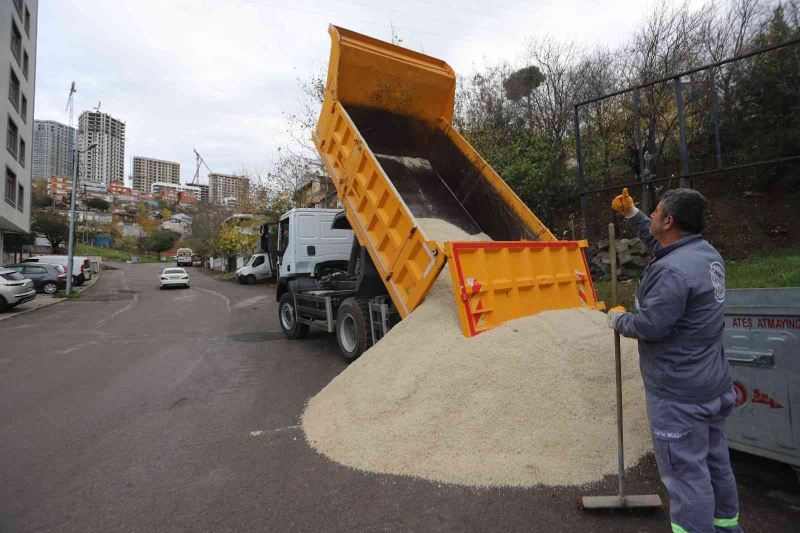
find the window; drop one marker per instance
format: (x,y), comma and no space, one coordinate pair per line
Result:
(11,187)
(25,63)
(13,276)
(12,138)
(27,22)
(20,197)
(13,89)
(16,42)
(23,110)
(34,270)
(21,151)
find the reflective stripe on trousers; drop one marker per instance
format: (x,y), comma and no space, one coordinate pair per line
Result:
(693,461)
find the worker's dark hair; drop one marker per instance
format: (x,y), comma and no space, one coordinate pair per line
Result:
(687,207)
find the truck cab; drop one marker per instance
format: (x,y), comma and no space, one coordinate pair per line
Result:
(257,268)
(309,246)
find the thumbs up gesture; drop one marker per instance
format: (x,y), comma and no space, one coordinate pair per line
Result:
(623,204)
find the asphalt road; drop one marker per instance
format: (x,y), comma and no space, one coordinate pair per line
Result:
(134,409)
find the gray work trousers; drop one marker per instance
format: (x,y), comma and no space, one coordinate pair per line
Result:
(693,461)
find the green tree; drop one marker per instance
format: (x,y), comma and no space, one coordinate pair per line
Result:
(53,226)
(98,203)
(13,242)
(159,241)
(39,196)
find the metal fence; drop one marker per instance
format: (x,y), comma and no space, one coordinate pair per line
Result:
(686,175)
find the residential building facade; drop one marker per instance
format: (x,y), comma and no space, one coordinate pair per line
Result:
(59,187)
(147,171)
(18,26)
(222,186)
(54,146)
(204,196)
(106,162)
(117,187)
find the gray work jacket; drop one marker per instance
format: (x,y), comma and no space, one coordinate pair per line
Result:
(679,319)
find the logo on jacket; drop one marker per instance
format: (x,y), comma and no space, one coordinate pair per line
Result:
(718,280)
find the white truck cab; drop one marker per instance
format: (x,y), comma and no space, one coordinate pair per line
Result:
(308,246)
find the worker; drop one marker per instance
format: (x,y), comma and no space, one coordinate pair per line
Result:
(678,322)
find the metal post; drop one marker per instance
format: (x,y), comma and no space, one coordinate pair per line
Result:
(715,116)
(579,157)
(71,245)
(637,115)
(612,243)
(682,133)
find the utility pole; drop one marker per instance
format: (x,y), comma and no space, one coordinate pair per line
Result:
(71,245)
(71,241)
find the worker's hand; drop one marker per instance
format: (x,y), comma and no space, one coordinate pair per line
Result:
(614,314)
(623,204)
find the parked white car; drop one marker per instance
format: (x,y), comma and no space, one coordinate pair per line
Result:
(174,277)
(15,289)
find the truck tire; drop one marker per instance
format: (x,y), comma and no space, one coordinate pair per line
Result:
(250,280)
(287,317)
(352,328)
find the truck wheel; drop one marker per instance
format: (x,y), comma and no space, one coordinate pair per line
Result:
(288,318)
(352,328)
(3,304)
(250,280)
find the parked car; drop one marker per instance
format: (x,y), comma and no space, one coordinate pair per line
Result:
(15,289)
(81,267)
(256,269)
(174,277)
(46,278)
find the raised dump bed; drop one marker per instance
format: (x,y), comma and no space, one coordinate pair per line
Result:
(385,137)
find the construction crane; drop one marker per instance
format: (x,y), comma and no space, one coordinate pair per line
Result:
(200,160)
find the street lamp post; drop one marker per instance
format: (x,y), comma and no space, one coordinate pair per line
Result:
(71,244)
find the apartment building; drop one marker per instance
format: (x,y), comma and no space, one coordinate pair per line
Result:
(53,149)
(222,186)
(106,162)
(18,21)
(147,171)
(204,195)
(172,192)
(59,187)
(117,187)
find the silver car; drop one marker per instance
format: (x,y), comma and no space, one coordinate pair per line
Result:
(15,289)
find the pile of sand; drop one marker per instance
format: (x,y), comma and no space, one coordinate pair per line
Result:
(530,402)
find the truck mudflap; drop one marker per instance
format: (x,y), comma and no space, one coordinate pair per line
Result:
(494,282)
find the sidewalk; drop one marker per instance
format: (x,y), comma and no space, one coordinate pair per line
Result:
(45,300)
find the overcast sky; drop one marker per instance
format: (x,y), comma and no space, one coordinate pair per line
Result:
(221,75)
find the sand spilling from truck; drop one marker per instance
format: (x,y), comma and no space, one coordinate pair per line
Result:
(530,402)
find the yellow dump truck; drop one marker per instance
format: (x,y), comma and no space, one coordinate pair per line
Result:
(386,139)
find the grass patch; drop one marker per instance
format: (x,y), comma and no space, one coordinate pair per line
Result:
(761,270)
(626,292)
(74,295)
(109,254)
(775,269)
(226,276)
